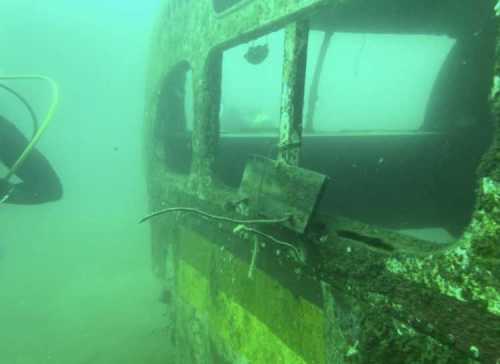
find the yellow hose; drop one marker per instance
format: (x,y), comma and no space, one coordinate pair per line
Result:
(43,126)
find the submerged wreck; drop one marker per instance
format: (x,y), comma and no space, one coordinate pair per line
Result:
(300,256)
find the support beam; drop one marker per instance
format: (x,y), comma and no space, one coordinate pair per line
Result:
(292,93)
(207,96)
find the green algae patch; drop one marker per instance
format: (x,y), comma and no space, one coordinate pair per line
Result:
(255,319)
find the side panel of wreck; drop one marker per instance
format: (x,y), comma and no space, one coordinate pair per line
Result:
(233,297)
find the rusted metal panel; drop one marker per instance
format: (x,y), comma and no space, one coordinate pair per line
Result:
(275,190)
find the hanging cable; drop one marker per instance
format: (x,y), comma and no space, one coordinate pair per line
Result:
(43,126)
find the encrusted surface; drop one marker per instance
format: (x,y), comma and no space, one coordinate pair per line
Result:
(382,301)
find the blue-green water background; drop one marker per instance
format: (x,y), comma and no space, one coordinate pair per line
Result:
(75,280)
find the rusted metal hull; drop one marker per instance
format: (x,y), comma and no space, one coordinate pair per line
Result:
(356,293)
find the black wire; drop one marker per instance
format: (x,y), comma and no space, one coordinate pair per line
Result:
(25,103)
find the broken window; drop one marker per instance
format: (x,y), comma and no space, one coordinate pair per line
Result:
(250,106)
(175,119)
(392,120)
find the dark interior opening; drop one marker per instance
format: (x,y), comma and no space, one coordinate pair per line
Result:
(173,143)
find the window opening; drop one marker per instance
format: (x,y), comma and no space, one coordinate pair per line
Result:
(175,120)
(373,82)
(388,168)
(250,109)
